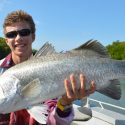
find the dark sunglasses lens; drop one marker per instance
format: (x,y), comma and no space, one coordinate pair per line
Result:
(11,34)
(24,32)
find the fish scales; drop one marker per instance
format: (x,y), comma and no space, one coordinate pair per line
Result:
(41,77)
(97,69)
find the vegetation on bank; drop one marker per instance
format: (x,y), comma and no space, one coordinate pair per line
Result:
(116,49)
(5,50)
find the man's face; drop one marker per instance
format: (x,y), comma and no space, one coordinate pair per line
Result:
(19,38)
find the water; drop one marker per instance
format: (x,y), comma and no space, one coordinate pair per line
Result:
(106,99)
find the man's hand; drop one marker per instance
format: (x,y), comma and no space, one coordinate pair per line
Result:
(73,93)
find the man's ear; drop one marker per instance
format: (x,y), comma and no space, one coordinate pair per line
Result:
(33,36)
(6,41)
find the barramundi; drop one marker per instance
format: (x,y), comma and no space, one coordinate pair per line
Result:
(26,85)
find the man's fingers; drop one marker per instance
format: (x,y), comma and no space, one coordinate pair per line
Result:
(92,87)
(74,85)
(68,88)
(82,85)
(73,93)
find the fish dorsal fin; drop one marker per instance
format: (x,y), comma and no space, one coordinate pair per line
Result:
(46,49)
(95,46)
(32,89)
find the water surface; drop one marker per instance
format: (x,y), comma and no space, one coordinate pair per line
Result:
(106,99)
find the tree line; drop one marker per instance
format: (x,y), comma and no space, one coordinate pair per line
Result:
(116,50)
(4,49)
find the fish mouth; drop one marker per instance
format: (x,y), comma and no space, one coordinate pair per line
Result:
(3,106)
(1,93)
(2,101)
(9,93)
(2,96)
(9,104)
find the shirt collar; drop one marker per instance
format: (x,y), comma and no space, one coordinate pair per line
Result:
(8,62)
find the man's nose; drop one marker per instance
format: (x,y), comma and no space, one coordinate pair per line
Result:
(18,37)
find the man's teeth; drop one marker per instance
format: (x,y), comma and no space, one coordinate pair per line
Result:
(22,45)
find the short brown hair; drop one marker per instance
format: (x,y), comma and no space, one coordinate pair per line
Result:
(19,16)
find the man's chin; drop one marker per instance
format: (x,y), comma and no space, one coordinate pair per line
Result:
(21,53)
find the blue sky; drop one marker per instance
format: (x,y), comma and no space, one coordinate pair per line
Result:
(69,23)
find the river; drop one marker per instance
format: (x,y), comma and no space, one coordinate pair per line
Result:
(106,99)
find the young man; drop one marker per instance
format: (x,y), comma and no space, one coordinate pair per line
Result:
(19,31)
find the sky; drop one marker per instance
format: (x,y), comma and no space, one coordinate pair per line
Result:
(67,24)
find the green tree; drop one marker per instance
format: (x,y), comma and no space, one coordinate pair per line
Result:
(34,51)
(117,50)
(4,49)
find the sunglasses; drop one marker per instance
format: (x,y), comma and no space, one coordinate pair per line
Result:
(23,32)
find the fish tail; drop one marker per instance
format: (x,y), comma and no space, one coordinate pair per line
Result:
(113,89)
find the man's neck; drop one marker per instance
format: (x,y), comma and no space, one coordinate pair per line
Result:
(18,59)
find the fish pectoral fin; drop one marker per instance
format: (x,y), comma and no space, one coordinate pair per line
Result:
(33,89)
(39,113)
(113,89)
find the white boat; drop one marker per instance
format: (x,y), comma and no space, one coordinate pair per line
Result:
(98,115)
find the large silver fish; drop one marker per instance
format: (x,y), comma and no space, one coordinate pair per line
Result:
(41,77)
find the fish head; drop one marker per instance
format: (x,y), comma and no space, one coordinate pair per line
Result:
(9,93)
